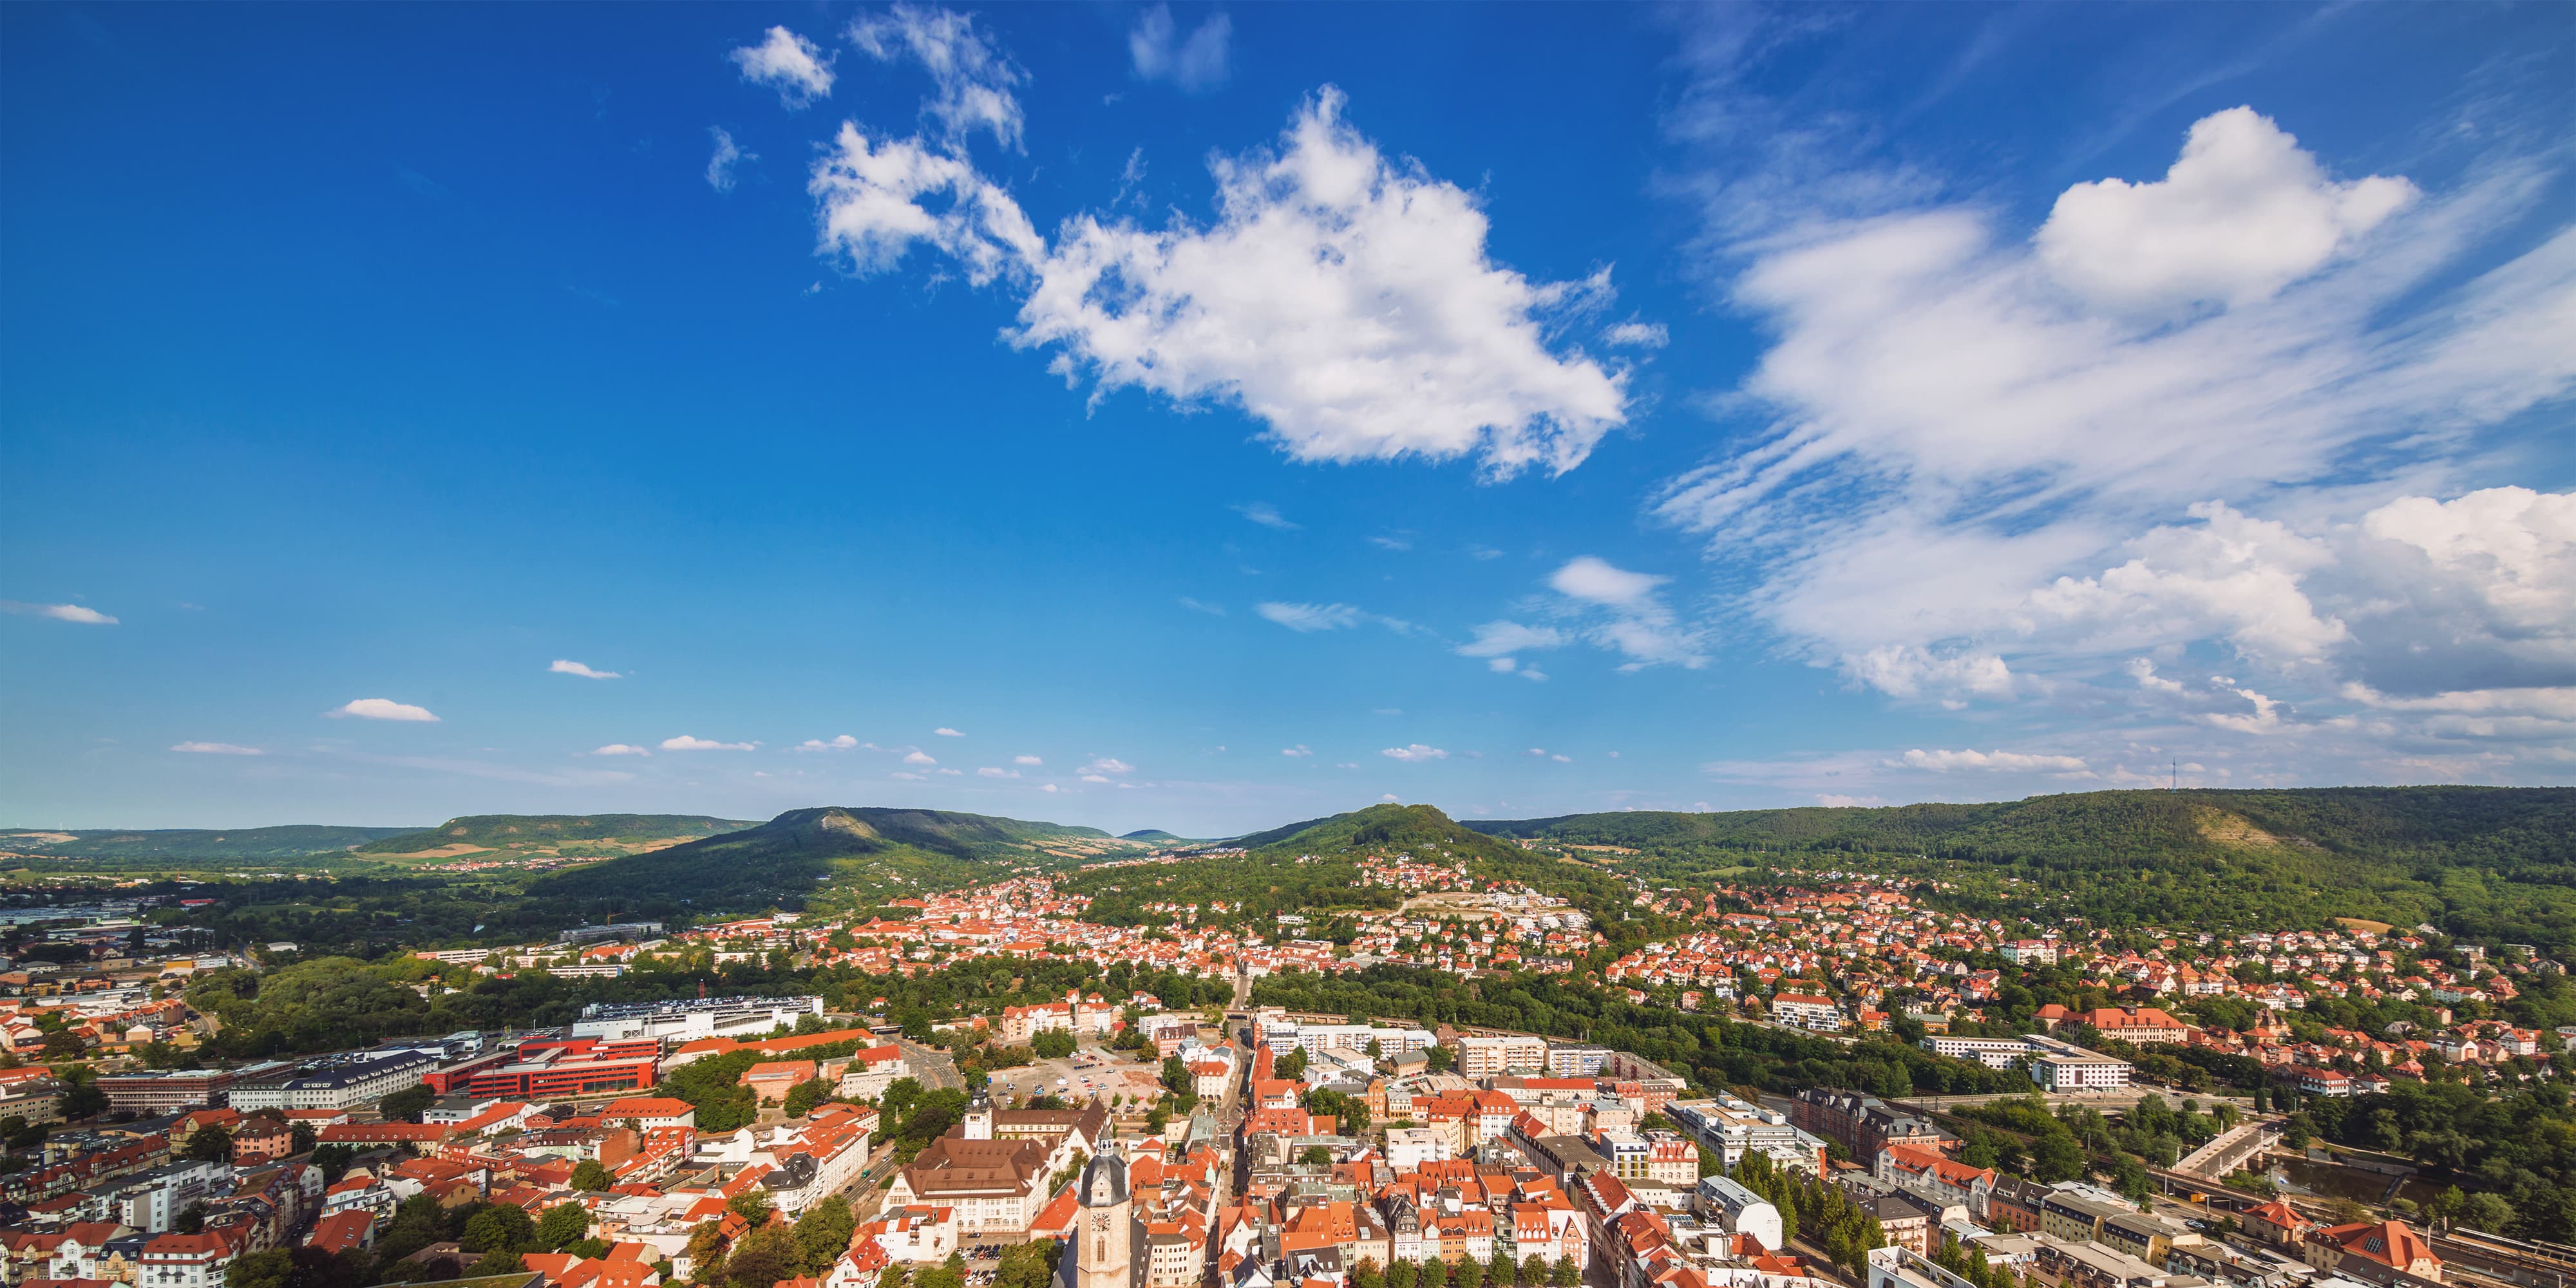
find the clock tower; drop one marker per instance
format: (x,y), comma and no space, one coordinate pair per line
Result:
(1104,1233)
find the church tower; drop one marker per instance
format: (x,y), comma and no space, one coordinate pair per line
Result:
(979,1115)
(1105,1227)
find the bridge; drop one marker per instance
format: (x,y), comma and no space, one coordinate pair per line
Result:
(2230,1150)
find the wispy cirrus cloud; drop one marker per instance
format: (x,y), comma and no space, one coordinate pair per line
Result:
(217,749)
(564,667)
(1308,618)
(686,742)
(1414,752)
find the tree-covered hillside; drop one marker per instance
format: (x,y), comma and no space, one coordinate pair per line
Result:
(562,833)
(2491,864)
(288,842)
(850,856)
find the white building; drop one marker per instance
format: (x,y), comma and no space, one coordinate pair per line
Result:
(1491,1056)
(1807,1011)
(1994,1053)
(2064,1066)
(1740,1209)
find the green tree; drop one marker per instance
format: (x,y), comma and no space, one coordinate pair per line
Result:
(1441,1059)
(1563,1274)
(210,1145)
(498,1262)
(823,1233)
(1533,1271)
(274,1268)
(591,1175)
(1054,1044)
(498,1227)
(762,1258)
(1470,1273)
(802,1097)
(753,1205)
(1435,1273)
(561,1225)
(408,1104)
(1403,1274)
(1316,1156)
(1028,1265)
(1367,1275)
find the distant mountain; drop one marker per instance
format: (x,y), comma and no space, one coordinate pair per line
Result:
(1154,836)
(856,855)
(547,835)
(292,841)
(1420,830)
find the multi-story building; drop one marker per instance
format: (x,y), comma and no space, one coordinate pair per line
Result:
(1569,1061)
(1863,1124)
(2064,1066)
(1486,1057)
(363,1080)
(689,1019)
(184,1261)
(1807,1011)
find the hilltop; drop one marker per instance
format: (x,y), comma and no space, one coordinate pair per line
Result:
(1315,867)
(487,836)
(866,855)
(2488,862)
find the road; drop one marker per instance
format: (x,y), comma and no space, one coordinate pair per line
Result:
(930,1066)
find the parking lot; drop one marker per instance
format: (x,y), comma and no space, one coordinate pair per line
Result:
(1089,1071)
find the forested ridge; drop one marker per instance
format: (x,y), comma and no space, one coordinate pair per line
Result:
(2494,865)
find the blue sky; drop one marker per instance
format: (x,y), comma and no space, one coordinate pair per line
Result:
(1206,417)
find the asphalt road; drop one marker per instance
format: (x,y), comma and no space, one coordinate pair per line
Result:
(931,1066)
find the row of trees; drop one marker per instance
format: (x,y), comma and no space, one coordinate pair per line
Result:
(1500,1271)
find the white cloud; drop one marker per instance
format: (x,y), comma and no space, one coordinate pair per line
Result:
(952,773)
(1299,750)
(972,81)
(2242,214)
(1346,765)
(562,667)
(991,772)
(1637,335)
(1196,66)
(2196,416)
(1108,765)
(1562,760)
(687,743)
(946,732)
(1050,787)
(918,758)
(59,612)
(1597,581)
(1197,606)
(1536,752)
(1945,761)
(217,749)
(1310,617)
(1831,800)
(1390,543)
(1026,760)
(1096,778)
(879,196)
(788,63)
(721,162)
(1389,799)
(908,776)
(1414,751)
(1267,515)
(1345,301)
(620,749)
(1638,623)
(840,742)
(382,709)
(1494,639)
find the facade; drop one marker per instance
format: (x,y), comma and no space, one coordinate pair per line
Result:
(1566,1061)
(689,1019)
(1740,1209)
(1807,1011)
(1486,1057)
(1863,1124)
(1104,1234)
(362,1081)
(2064,1066)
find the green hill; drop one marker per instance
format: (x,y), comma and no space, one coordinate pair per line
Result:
(1153,836)
(2490,863)
(544,835)
(288,842)
(865,855)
